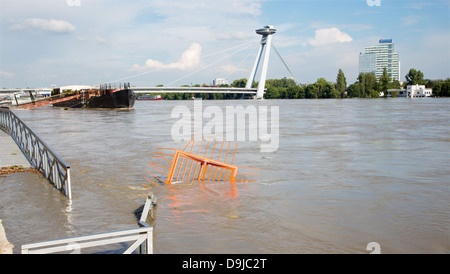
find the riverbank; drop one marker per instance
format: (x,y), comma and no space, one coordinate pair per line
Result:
(16,169)
(5,246)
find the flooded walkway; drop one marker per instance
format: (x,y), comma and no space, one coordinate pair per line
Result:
(5,246)
(10,154)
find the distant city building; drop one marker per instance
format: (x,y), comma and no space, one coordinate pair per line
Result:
(412,91)
(418,91)
(220,81)
(368,63)
(376,58)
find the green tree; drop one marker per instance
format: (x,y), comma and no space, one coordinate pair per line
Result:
(239,83)
(324,88)
(272,93)
(362,84)
(384,82)
(168,96)
(334,93)
(415,77)
(371,83)
(374,93)
(395,84)
(283,93)
(281,83)
(354,90)
(367,83)
(218,96)
(444,89)
(293,92)
(311,91)
(301,93)
(341,82)
(288,82)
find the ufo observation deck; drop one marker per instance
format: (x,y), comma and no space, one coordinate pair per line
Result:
(267,30)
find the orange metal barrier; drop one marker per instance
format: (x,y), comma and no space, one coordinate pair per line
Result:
(187,162)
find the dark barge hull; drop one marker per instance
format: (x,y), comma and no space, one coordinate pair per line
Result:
(124,98)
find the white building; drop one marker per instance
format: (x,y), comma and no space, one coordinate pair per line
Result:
(411,91)
(220,81)
(418,91)
(376,58)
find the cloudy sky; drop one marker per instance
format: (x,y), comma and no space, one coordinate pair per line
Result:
(176,42)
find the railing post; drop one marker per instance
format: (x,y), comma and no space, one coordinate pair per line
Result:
(68,185)
(149,242)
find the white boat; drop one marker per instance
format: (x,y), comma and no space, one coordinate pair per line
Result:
(147,97)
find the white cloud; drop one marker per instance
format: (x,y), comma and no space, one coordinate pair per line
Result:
(189,59)
(39,24)
(329,36)
(7,74)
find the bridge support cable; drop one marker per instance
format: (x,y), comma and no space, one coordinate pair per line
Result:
(209,65)
(208,55)
(282,60)
(136,75)
(229,49)
(240,63)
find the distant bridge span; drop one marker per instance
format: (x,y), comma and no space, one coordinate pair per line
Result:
(224,90)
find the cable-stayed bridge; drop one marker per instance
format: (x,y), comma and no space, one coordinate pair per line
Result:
(263,54)
(262,57)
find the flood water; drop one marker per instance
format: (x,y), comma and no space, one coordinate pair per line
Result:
(346,173)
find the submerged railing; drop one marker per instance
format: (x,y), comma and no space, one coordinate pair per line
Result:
(142,237)
(38,153)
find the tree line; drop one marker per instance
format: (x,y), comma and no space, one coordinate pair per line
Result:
(366,86)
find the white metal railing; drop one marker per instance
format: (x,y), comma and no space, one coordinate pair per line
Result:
(142,237)
(38,153)
(139,235)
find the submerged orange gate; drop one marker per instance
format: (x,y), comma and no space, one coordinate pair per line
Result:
(183,162)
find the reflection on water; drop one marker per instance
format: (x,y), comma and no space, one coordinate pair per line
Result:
(32,210)
(347,173)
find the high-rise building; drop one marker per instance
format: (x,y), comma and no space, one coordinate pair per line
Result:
(376,58)
(220,81)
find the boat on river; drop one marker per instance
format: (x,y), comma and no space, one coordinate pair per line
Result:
(105,96)
(147,97)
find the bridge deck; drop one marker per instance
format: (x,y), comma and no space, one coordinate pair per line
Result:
(193,90)
(169,90)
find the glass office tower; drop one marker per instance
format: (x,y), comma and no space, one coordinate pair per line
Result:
(376,58)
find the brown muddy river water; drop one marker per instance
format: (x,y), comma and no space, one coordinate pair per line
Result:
(345,173)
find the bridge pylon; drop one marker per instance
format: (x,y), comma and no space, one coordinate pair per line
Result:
(264,49)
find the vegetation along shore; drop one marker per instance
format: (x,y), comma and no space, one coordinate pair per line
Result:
(365,86)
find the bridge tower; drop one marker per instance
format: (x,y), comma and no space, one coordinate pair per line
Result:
(264,49)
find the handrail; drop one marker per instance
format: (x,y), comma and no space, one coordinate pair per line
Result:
(143,237)
(75,244)
(37,152)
